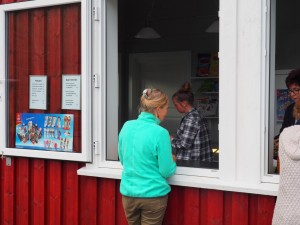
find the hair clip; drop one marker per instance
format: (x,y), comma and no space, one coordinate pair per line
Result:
(145,93)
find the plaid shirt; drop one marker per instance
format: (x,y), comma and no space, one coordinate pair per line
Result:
(192,138)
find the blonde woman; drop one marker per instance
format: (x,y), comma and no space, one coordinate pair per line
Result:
(145,152)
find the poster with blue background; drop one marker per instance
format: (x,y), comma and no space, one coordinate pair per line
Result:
(40,131)
(283,101)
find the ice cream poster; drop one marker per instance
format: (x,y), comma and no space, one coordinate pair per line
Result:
(52,132)
(283,101)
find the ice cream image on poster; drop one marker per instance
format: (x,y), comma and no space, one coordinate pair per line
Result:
(45,131)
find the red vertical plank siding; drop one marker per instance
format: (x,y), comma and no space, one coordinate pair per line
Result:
(265,209)
(240,209)
(53,206)
(22,69)
(191,206)
(71,58)
(215,207)
(203,206)
(71,40)
(227,218)
(37,63)
(7,193)
(119,214)
(22,192)
(37,192)
(72,199)
(70,184)
(88,201)
(174,213)
(7,1)
(253,207)
(37,46)
(22,60)
(108,202)
(1,188)
(37,67)
(12,76)
(54,61)
(7,183)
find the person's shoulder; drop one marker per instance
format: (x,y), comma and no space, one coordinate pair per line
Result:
(292,131)
(194,113)
(199,115)
(128,123)
(159,130)
(289,140)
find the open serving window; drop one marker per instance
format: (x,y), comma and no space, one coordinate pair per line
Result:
(45,81)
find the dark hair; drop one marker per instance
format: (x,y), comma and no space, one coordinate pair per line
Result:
(293,78)
(184,94)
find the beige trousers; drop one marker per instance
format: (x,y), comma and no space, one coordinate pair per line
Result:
(145,211)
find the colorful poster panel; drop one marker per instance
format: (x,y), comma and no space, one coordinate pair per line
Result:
(52,132)
(283,101)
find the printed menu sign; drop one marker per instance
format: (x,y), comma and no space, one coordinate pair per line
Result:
(45,131)
(37,92)
(71,87)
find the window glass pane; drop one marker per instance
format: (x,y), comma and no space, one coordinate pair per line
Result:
(180,49)
(44,67)
(284,56)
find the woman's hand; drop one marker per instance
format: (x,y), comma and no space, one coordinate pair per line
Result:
(174,157)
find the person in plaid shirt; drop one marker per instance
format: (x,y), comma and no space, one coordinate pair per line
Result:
(192,137)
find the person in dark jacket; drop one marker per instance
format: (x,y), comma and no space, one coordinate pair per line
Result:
(292,82)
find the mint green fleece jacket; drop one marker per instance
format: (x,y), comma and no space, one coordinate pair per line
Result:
(145,152)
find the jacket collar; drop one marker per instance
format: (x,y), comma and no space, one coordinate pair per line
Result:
(146,116)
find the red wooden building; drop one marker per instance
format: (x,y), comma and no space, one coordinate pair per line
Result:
(79,185)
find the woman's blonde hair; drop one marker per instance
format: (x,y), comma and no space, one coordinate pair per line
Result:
(151,99)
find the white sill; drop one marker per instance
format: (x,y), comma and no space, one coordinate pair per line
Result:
(193,181)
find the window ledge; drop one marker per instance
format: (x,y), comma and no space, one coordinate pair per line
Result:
(193,181)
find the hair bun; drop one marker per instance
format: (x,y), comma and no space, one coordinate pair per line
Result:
(146,93)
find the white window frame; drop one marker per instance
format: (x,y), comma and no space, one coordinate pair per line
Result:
(86,146)
(268,69)
(244,64)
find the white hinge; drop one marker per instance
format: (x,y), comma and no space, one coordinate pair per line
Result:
(266,8)
(96,13)
(7,159)
(96,80)
(96,147)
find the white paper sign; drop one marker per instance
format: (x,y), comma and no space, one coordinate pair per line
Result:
(37,92)
(71,92)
